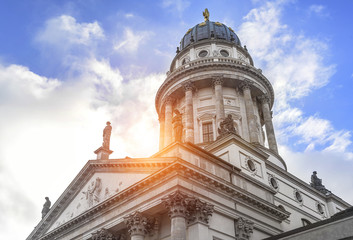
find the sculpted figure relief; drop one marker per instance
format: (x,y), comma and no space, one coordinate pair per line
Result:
(93,192)
(177,125)
(106,136)
(227,126)
(46,207)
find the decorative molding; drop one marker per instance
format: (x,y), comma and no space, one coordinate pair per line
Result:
(104,234)
(246,84)
(139,224)
(217,80)
(243,228)
(191,208)
(169,100)
(188,86)
(264,99)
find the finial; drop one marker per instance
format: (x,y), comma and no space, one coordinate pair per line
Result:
(206,14)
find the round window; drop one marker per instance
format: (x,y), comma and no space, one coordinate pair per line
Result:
(274,183)
(203,53)
(298,196)
(224,53)
(251,165)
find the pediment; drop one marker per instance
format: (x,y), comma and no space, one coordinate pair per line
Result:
(98,181)
(98,188)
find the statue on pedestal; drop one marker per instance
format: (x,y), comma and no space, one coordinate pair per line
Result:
(177,126)
(46,207)
(227,126)
(106,136)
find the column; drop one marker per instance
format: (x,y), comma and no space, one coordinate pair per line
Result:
(218,82)
(139,225)
(249,108)
(271,138)
(168,118)
(161,131)
(189,111)
(176,203)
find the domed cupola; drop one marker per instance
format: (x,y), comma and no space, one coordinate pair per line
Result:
(209,30)
(213,89)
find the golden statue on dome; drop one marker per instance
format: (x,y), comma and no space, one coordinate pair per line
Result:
(206,14)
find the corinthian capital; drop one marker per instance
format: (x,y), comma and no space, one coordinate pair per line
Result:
(264,99)
(246,84)
(177,204)
(217,80)
(200,211)
(138,224)
(188,86)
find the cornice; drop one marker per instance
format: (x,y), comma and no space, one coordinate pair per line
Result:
(210,64)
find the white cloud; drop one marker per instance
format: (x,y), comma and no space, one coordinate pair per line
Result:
(319,10)
(19,81)
(179,5)
(64,31)
(132,41)
(295,65)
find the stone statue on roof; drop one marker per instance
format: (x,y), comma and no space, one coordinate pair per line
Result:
(106,136)
(46,207)
(227,126)
(317,183)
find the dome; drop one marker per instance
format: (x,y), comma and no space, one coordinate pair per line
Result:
(209,30)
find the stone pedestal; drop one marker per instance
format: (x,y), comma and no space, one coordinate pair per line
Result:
(189,111)
(249,107)
(218,82)
(168,125)
(103,153)
(272,143)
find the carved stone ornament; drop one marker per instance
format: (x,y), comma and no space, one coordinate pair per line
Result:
(264,99)
(177,204)
(191,208)
(169,100)
(227,126)
(217,80)
(93,192)
(199,211)
(188,86)
(104,234)
(246,84)
(139,224)
(243,229)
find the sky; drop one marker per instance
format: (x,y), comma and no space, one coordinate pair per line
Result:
(67,67)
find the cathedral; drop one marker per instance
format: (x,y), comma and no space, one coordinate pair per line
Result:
(218,174)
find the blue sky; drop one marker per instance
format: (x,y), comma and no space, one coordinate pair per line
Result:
(66,67)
